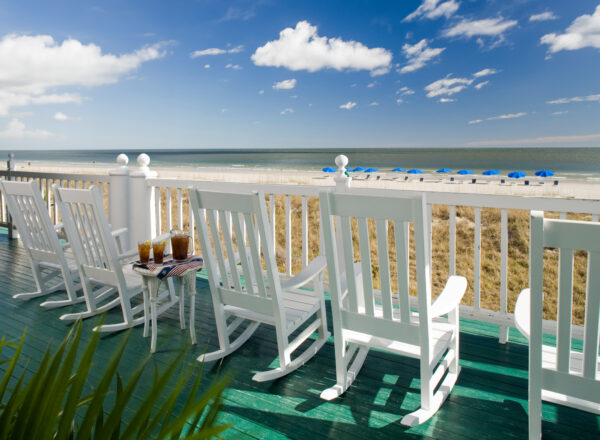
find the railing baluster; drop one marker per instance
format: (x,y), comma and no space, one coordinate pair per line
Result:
(477,260)
(288,235)
(272,214)
(304,232)
(452,234)
(48,204)
(430,227)
(503,337)
(594,217)
(157,210)
(563,215)
(169,213)
(191,222)
(179,208)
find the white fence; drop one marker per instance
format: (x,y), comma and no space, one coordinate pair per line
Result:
(161,205)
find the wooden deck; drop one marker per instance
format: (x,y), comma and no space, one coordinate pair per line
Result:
(488,402)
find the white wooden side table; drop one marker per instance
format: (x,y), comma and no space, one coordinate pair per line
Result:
(153,275)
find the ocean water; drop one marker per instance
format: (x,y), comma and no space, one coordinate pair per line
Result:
(564,161)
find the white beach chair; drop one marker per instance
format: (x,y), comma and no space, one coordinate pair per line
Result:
(103,270)
(50,259)
(365,318)
(239,227)
(557,373)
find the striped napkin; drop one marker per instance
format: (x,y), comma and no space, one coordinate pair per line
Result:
(170,267)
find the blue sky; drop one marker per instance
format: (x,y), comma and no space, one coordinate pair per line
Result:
(290,74)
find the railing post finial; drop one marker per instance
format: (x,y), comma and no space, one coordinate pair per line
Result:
(122,160)
(342,180)
(143,161)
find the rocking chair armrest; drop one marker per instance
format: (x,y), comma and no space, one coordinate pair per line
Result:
(129,254)
(118,232)
(522,310)
(450,297)
(315,268)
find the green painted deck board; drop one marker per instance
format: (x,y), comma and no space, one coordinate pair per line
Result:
(488,402)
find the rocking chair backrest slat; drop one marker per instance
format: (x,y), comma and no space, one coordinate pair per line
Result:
(592,317)
(401,237)
(365,257)
(241,230)
(346,231)
(361,299)
(88,230)
(565,309)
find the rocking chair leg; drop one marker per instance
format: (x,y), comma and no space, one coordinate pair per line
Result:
(233,346)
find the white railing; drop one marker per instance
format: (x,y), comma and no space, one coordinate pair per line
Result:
(175,192)
(165,206)
(45,182)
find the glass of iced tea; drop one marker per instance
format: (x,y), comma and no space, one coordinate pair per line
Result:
(158,249)
(180,243)
(144,250)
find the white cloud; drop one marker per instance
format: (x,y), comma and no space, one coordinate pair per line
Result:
(485,72)
(405,91)
(538,140)
(399,101)
(544,16)
(481,84)
(303,49)
(499,117)
(434,9)
(233,66)
(215,51)
(583,32)
(60,116)
(418,55)
(15,129)
(207,66)
(34,64)
(560,113)
(508,116)
(373,104)
(488,27)
(286,84)
(224,110)
(371,85)
(446,100)
(349,105)
(261,92)
(287,110)
(576,99)
(447,86)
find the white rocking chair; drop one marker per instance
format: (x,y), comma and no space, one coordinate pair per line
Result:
(239,228)
(557,373)
(103,270)
(40,239)
(364,318)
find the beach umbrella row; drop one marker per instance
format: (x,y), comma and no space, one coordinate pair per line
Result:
(492,172)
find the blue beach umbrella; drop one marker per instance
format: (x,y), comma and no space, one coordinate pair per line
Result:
(399,169)
(371,170)
(463,172)
(357,169)
(329,170)
(544,173)
(491,172)
(415,171)
(444,170)
(516,174)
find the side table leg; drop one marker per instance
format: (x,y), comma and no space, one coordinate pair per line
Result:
(153,284)
(181,302)
(190,279)
(146,305)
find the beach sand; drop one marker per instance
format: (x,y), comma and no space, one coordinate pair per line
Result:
(567,187)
